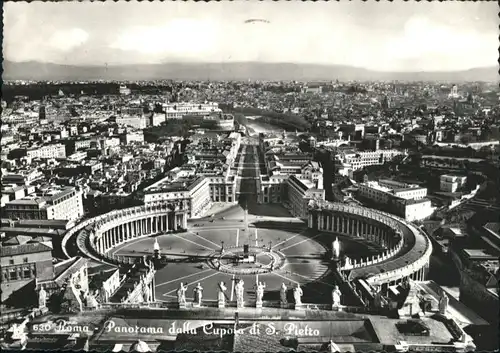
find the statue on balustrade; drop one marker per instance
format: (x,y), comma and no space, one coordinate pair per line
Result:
(378,299)
(260,291)
(283,291)
(198,294)
(146,291)
(332,347)
(181,294)
(347,262)
(222,293)
(90,300)
(297,295)
(443,303)
(42,298)
(240,290)
(336,295)
(336,248)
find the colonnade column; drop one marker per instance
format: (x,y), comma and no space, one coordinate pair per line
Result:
(103,240)
(107,242)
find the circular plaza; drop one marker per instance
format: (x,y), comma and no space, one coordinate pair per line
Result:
(213,255)
(339,244)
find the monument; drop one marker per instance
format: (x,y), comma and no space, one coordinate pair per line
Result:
(221,297)
(246,257)
(42,298)
(259,294)
(198,294)
(240,293)
(283,300)
(181,295)
(336,295)
(297,296)
(443,303)
(156,250)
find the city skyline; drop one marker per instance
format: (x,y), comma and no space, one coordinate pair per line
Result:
(375,36)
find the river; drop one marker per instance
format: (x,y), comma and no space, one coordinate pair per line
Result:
(259,127)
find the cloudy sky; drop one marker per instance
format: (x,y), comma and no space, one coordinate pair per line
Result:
(380,36)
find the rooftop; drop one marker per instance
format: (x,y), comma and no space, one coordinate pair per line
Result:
(23,249)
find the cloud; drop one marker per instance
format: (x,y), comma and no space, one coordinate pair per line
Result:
(178,36)
(66,40)
(456,48)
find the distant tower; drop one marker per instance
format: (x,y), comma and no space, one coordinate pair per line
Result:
(454,91)
(312,142)
(385,103)
(42,113)
(284,134)
(470,98)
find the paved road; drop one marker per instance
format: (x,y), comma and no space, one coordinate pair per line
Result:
(248,171)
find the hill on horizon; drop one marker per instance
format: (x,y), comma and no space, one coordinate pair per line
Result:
(240,71)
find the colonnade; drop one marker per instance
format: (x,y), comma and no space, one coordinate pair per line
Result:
(343,224)
(118,230)
(418,275)
(385,229)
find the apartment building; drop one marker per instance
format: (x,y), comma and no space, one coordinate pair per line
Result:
(178,110)
(47,151)
(355,160)
(451,183)
(192,191)
(51,203)
(139,122)
(300,192)
(405,200)
(22,265)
